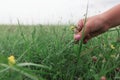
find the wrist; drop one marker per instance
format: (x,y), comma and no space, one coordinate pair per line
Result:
(106,21)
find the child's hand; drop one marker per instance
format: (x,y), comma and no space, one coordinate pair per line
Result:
(93,27)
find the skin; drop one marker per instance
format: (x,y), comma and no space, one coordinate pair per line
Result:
(98,24)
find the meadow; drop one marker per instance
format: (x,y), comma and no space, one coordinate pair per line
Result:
(48,52)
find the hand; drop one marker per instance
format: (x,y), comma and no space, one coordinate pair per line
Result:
(93,27)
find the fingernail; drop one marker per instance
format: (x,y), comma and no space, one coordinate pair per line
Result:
(77,37)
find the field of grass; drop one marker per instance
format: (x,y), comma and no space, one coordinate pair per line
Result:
(47,52)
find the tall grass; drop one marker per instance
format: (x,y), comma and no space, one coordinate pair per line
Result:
(47,52)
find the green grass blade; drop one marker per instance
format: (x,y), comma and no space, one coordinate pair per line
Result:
(24,73)
(1,71)
(22,55)
(81,41)
(33,64)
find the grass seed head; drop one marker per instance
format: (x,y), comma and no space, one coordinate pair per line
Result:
(117,69)
(100,55)
(113,56)
(94,58)
(104,60)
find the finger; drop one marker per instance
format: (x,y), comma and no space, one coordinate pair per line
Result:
(87,38)
(94,34)
(76,31)
(80,25)
(90,36)
(77,37)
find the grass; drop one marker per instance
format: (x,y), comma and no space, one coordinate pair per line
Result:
(47,52)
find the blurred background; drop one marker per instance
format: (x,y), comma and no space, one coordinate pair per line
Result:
(50,11)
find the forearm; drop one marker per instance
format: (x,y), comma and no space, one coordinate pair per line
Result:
(112,16)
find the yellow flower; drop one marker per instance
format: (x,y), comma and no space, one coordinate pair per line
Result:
(72,28)
(112,46)
(11,60)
